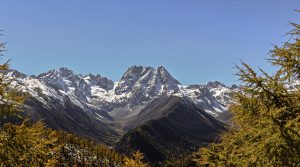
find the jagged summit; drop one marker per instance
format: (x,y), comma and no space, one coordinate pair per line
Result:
(215,84)
(62,78)
(81,86)
(146,76)
(60,72)
(146,83)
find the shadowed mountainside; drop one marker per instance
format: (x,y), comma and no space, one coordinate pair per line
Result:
(177,126)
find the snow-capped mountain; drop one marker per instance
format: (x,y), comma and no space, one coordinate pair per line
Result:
(83,87)
(145,83)
(96,103)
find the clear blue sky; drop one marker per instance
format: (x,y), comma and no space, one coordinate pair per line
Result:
(196,40)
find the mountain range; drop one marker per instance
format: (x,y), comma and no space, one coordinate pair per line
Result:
(148,109)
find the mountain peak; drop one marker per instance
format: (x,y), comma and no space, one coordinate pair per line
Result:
(161,68)
(146,82)
(135,72)
(59,72)
(215,84)
(166,76)
(64,70)
(140,67)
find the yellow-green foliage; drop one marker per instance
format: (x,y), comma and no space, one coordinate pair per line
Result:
(266,130)
(179,161)
(27,144)
(137,160)
(32,144)
(10,97)
(78,151)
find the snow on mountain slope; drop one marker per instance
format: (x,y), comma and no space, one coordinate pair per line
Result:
(137,87)
(83,87)
(33,86)
(214,100)
(57,85)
